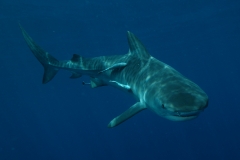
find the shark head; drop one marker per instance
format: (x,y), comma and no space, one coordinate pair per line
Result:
(177,101)
(181,106)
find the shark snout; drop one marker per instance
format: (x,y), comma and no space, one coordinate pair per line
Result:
(185,106)
(188,103)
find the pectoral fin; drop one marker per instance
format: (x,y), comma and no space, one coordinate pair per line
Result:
(137,107)
(117,65)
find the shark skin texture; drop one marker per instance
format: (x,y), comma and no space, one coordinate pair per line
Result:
(155,85)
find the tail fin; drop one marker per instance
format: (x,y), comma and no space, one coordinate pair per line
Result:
(43,57)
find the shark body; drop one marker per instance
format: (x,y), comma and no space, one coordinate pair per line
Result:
(154,84)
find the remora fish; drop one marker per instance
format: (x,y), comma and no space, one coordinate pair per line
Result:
(156,85)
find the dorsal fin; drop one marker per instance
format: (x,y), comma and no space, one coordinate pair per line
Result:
(76,58)
(136,47)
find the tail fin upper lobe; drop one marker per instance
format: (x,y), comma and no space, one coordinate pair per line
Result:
(43,57)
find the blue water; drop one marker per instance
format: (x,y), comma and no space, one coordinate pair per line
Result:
(64,120)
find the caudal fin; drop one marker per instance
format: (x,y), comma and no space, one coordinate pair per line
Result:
(43,57)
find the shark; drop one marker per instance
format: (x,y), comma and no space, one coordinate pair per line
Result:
(155,85)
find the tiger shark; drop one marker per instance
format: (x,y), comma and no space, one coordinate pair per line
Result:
(156,85)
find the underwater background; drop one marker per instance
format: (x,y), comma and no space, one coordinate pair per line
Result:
(65,120)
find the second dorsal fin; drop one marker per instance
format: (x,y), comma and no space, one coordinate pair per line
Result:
(76,58)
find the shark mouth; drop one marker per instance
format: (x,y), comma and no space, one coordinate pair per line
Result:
(187,114)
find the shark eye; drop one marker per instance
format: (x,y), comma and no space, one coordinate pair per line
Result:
(163,106)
